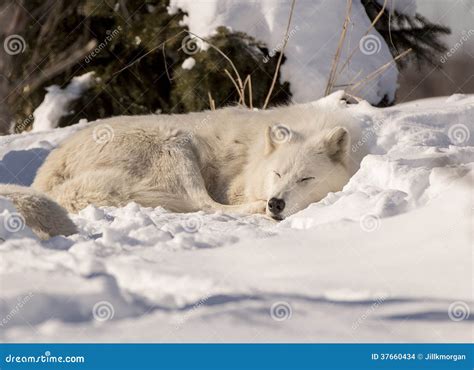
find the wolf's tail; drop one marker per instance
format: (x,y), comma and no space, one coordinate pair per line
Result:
(42,214)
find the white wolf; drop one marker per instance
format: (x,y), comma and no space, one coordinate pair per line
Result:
(234,160)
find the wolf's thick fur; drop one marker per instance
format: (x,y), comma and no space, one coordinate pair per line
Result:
(44,216)
(223,160)
(235,160)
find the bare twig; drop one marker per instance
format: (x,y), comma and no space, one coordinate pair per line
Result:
(280,57)
(335,61)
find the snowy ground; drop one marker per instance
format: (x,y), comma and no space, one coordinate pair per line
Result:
(389,258)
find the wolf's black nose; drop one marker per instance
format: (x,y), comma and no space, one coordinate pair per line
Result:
(276,206)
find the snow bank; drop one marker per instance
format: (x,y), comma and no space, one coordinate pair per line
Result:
(389,258)
(312,42)
(56,102)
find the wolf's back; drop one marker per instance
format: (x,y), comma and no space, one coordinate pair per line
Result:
(43,215)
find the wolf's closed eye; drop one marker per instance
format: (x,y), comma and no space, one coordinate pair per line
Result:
(305,179)
(276,173)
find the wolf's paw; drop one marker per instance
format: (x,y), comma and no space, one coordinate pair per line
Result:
(258,206)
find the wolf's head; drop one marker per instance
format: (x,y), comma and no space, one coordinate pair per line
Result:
(299,171)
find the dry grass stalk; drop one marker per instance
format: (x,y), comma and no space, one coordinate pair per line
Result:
(349,58)
(240,91)
(356,98)
(248,81)
(212,103)
(237,81)
(335,62)
(277,69)
(378,71)
(240,87)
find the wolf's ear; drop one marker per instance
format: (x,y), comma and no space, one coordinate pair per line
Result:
(336,143)
(269,143)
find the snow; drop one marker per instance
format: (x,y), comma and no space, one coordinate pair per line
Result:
(189,63)
(56,102)
(389,258)
(312,41)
